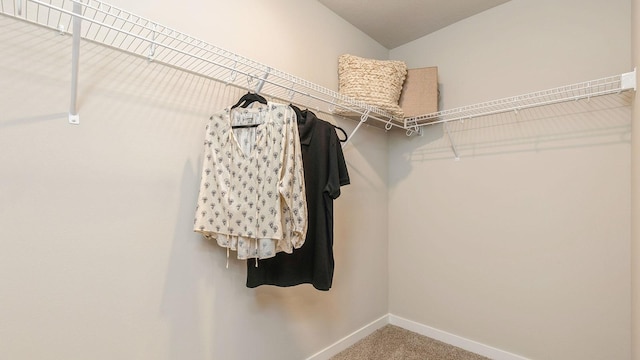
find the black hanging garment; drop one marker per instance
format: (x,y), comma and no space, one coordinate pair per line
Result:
(324,171)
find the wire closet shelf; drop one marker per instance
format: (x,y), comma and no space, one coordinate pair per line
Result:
(116,28)
(584,90)
(122,30)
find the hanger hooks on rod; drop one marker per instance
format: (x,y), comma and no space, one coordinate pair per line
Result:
(388,125)
(332,106)
(152,45)
(234,73)
(250,79)
(291,91)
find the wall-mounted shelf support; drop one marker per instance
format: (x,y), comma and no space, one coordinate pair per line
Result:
(363,119)
(74,118)
(453,144)
(628,80)
(262,80)
(412,127)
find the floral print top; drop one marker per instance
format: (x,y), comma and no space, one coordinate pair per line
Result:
(252,191)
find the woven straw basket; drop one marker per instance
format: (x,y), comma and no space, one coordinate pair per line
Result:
(376,82)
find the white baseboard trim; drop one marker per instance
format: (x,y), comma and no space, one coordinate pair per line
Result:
(455,340)
(445,337)
(350,339)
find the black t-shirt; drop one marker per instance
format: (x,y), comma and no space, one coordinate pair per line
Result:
(324,171)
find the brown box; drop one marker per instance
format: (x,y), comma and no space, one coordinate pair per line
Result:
(420,92)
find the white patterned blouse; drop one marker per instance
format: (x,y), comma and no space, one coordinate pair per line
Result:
(252,192)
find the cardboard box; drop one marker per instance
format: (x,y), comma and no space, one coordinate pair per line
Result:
(420,92)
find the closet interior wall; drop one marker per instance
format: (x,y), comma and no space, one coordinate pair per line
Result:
(523,244)
(99,260)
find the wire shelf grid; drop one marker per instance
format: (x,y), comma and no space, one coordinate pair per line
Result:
(114,27)
(584,90)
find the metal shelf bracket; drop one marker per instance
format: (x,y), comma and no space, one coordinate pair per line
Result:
(74,118)
(363,119)
(628,80)
(453,144)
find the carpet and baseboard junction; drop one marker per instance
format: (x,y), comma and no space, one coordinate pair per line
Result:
(394,338)
(395,343)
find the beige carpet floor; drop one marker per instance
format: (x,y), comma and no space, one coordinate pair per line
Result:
(394,343)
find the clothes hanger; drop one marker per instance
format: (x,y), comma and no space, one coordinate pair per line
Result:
(346,137)
(336,127)
(244,101)
(249,98)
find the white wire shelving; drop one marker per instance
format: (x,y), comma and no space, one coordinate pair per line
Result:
(99,22)
(584,90)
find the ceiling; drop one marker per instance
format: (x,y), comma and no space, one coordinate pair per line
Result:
(395,23)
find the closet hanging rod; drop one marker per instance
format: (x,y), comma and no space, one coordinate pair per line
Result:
(119,29)
(584,90)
